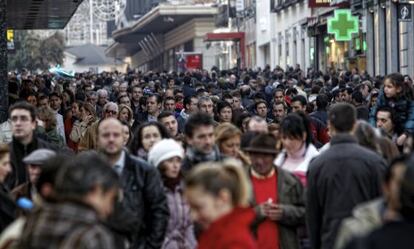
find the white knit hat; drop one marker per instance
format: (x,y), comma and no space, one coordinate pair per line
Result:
(164,150)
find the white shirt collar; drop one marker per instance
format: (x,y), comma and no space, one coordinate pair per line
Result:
(120,163)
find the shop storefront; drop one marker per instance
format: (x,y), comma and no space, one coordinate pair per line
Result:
(341,46)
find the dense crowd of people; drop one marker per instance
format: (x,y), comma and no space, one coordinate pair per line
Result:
(233,159)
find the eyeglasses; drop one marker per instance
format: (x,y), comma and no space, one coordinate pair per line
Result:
(111,112)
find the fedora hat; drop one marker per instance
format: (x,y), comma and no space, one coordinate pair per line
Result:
(263,143)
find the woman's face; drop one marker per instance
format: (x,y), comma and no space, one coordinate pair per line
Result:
(172,167)
(292,145)
(124,115)
(82,114)
(32,100)
(373,101)
(125,133)
(75,110)
(150,135)
(65,98)
(390,90)
(205,208)
(5,167)
(231,146)
(226,114)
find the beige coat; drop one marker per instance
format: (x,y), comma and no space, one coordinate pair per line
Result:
(89,140)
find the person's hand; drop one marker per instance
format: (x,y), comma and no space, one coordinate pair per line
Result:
(274,212)
(40,123)
(89,119)
(401,139)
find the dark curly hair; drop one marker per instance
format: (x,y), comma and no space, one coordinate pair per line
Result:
(136,143)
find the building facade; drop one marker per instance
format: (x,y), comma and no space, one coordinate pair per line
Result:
(290,44)
(166,35)
(390,41)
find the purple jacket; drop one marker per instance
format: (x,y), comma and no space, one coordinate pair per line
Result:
(180,232)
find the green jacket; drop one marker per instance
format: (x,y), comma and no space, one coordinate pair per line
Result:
(51,136)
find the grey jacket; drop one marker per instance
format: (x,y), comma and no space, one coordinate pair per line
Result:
(291,196)
(180,231)
(365,218)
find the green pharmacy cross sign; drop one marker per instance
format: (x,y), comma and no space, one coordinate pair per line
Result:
(343,25)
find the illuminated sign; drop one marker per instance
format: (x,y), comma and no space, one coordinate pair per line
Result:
(319,3)
(343,24)
(10,39)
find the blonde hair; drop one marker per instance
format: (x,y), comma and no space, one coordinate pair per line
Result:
(227,175)
(226,131)
(46,115)
(130,112)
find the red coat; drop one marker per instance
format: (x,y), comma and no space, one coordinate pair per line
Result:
(230,232)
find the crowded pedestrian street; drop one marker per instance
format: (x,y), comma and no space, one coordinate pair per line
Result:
(121,130)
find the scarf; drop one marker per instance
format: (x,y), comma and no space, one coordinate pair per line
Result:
(171,183)
(198,157)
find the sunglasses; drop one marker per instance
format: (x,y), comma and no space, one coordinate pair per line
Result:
(111,112)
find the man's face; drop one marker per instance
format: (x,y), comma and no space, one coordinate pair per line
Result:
(232,79)
(110,137)
(169,105)
(344,97)
(34,173)
(279,97)
(152,106)
(22,124)
(115,87)
(103,99)
(123,88)
(207,107)
(193,106)
(297,107)
(32,100)
(365,91)
(136,94)
(256,126)
(384,122)
(55,103)
(179,97)
(229,100)
(226,114)
(93,100)
(125,101)
(279,112)
(171,124)
(262,163)
(261,110)
(202,139)
(236,103)
(171,84)
(169,93)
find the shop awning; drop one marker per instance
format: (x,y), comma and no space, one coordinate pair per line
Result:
(160,20)
(40,14)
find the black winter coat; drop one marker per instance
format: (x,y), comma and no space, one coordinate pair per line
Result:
(7,209)
(141,218)
(396,235)
(338,179)
(19,151)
